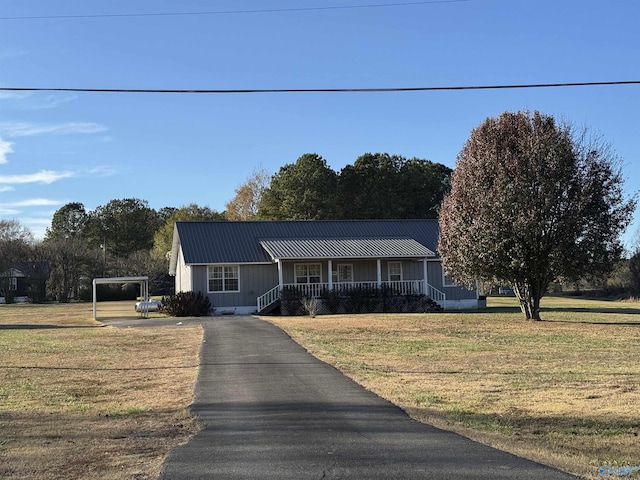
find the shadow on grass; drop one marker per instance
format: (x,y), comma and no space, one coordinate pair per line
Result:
(26,326)
(619,310)
(586,322)
(95,369)
(545,311)
(531,425)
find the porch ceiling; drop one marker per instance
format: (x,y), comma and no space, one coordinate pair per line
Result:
(336,248)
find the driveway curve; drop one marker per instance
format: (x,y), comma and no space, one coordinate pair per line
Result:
(270,410)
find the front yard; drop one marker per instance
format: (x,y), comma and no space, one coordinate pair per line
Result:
(564,392)
(78,400)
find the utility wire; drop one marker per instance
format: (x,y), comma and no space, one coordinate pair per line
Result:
(321,90)
(228,12)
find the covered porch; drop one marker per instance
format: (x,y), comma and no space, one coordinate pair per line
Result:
(340,267)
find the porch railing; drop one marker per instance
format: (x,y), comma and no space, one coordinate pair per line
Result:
(315,290)
(405,287)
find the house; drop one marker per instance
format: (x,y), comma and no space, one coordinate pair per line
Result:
(24,281)
(244,267)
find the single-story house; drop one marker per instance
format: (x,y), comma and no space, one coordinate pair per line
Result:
(243,267)
(23,280)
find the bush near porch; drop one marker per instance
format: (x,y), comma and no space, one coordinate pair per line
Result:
(356,300)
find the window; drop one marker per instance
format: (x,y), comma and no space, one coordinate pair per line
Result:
(394,270)
(13,283)
(343,273)
(308,273)
(224,278)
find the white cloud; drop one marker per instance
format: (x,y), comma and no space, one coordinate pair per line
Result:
(44,176)
(101,171)
(32,202)
(6,189)
(37,225)
(49,101)
(36,100)
(5,149)
(8,211)
(25,129)
(11,95)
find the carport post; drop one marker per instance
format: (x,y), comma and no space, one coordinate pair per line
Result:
(94,298)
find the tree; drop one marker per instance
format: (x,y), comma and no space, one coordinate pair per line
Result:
(15,245)
(12,230)
(163,237)
(304,190)
(369,188)
(390,186)
(68,260)
(532,202)
(70,221)
(35,266)
(164,213)
(244,205)
(124,226)
(422,186)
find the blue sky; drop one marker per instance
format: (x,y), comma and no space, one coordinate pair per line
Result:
(176,149)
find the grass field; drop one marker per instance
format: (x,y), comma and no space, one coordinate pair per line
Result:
(78,400)
(565,391)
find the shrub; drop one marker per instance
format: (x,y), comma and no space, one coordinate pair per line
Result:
(331,301)
(311,305)
(185,304)
(291,301)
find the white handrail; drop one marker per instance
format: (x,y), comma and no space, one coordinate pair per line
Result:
(437,296)
(268,298)
(404,287)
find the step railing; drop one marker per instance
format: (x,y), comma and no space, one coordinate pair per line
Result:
(268,298)
(437,296)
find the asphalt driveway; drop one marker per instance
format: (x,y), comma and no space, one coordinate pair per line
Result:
(272,411)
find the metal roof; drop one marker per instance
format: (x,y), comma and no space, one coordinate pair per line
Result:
(239,242)
(306,248)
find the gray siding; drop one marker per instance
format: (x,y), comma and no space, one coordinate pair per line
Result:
(255,280)
(434,274)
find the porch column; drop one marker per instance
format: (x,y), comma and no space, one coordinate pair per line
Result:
(379,273)
(424,274)
(330,269)
(280,282)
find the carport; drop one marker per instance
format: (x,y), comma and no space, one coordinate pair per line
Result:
(144,291)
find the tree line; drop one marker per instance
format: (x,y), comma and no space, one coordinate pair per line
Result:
(126,237)
(531,202)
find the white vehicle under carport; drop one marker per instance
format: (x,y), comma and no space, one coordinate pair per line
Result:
(148,306)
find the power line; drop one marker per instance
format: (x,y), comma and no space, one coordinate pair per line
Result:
(229,12)
(322,90)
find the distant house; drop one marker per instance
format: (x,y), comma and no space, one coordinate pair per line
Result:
(24,280)
(243,267)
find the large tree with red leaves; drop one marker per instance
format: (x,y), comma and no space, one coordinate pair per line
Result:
(532,202)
